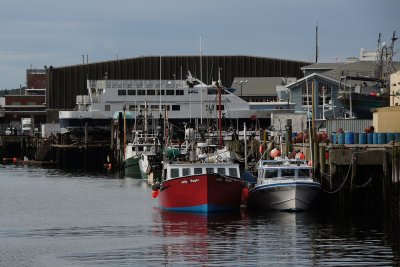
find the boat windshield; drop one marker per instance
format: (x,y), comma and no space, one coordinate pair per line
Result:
(288,172)
(271,173)
(304,173)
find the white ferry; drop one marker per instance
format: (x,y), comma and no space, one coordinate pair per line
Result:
(181,101)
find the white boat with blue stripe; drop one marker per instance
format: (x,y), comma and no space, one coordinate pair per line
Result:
(283,184)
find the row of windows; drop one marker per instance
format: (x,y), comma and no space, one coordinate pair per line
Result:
(150,92)
(151,107)
(286,173)
(164,107)
(141,83)
(188,171)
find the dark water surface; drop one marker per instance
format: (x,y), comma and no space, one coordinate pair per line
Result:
(51,218)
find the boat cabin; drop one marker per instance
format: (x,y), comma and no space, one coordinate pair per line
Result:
(269,169)
(176,170)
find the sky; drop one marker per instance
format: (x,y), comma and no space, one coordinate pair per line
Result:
(51,32)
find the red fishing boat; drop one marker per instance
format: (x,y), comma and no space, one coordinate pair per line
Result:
(200,187)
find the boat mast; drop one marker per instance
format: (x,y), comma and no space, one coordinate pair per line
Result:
(379,59)
(219,109)
(316,44)
(201,87)
(145,117)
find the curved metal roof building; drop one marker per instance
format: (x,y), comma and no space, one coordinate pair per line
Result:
(64,83)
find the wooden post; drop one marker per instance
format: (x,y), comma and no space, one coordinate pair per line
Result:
(322,159)
(289,145)
(315,161)
(245,146)
(86,148)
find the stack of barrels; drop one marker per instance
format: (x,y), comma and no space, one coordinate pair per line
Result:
(367,137)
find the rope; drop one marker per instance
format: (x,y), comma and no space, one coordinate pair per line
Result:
(365,184)
(347,176)
(341,186)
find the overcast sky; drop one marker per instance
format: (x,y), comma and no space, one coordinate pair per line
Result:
(53,32)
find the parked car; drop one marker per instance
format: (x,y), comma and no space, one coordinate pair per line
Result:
(8,131)
(11,131)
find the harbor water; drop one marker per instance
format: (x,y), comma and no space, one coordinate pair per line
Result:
(52,218)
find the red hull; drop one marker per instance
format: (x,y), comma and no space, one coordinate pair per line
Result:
(201,193)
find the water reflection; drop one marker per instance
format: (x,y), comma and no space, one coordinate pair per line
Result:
(198,238)
(307,239)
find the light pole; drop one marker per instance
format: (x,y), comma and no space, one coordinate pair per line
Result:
(241,86)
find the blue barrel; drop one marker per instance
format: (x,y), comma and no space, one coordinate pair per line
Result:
(370,138)
(389,137)
(349,138)
(341,138)
(333,139)
(381,138)
(375,137)
(397,137)
(362,138)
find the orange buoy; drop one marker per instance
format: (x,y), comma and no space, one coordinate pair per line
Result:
(14,160)
(245,194)
(261,149)
(275,153)
(310,163)
(155,193)
(300,155)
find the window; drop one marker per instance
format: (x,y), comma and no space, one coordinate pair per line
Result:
(271,174)
(121,92)
(179,92)
(132,107)
(131,92)
(287,173)
(233,172)
(222,107)
(304,101)
(186,172)
(174,173)
(151,92)
(212,91)
(107,107)
(176,107)
(210,170)
(141,92)
(304,173)
(221,171)
(198,171)
(162,92)
(170,92)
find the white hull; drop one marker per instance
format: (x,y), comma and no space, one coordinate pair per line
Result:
(293,196)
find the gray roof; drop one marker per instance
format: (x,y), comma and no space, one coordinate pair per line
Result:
(321,76)
(337,70)
(322,66)
(260,86)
